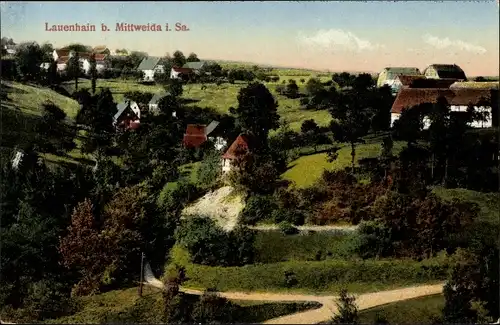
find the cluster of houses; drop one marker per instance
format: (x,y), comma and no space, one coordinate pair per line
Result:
(412,88)
(62,56)
(152,65)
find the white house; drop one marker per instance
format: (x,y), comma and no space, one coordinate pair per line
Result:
(128,115)
(151,65)
(178,73)
(458,99)
(389,76)
(239,146)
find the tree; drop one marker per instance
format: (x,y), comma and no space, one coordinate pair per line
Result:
(311,132)
(256,113)
(53,132)
(78,47)
(192,58)
(74,68)
(409,125)
(93,72)
(347,309)
(28,58)
(210,169)
(174,87)
(351,121)
(213,309)
(292,90)
(81,249)
(178,59)
(314,87)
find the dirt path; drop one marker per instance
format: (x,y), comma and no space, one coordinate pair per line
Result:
(328,308)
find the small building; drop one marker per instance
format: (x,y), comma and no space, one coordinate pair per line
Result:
(198,134)
(180,73)
(11,49)
(458,99)
(128,115)
(101,49)
(432,83)
(389,75)
(57,54)
(150,66)
(444,71)
(239,147)
(155,100)
(196,67)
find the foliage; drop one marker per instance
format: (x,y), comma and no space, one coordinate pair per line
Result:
(210,245)
(210,169)
(28,58)
(287,228)
(138,96)
(347,309)
(256,113)
(292,89)
(213,309)
(257,208)
(54,134)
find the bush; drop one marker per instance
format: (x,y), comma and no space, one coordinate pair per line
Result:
(374,240)
(212,308)
(209,171)
(287,228)
(258,208)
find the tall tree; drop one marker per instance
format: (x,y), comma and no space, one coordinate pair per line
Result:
(28,58)
(93,72)
(347,309)
(351,120)
(256,113)
(192,58)
(178,59)
(74,68)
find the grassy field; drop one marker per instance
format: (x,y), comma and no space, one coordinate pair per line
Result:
(307,169)
(220,98)
(122,306)
(273,246)
(413,311)
(322,277)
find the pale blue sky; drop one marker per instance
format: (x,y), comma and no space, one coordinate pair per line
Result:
(327,35)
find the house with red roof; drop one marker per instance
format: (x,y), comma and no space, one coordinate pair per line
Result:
(458,98)
(180,73)
(198,134)
(239,147)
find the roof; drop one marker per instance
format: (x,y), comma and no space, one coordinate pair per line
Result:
(193,141)
(194,65)
(211,127)
(149,63)
(432,83)
(100,57)
(156,97)
(196,129)
(62,52)
(100,48)
(239,145)
(475,84)
(122,107)
(407,80)
(62,59)
(393,72)
(182,70)
(84,55)
(448,71)
(410,97)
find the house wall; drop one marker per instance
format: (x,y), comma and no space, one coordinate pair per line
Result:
(174,74)
(159,69)
(381,78)
(431,73)
(85,65)
(61,66)
(226,165)
(55,56)
(153,108)
(476,124)
(149,75)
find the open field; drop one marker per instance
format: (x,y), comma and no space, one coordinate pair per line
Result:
(321,277)
(305,170)
(120,306)
(422,310)
(220,98)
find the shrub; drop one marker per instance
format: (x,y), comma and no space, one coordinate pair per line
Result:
(287,228)
(302,80)
(374,240)
(258,208)
(212,308)
(347,309)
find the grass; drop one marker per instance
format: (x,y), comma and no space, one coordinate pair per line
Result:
(422,310)
(305,170)
(273,246)
(120,306)
(321,277)
(220,98)
(29,99)
(488,202)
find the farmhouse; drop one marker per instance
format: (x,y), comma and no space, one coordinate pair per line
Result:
(458,99)
(196,67)
(128,115)
(404,81)
(180,73)
(388,76)
(151,65)
(101,49)
(198,134)
(239,147)
(155,100)
(446,71)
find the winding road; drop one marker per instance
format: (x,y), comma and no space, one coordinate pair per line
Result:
(328,308)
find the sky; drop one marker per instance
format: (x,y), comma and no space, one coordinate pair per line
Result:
(333,36)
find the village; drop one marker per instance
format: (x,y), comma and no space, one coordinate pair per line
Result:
(339,173)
